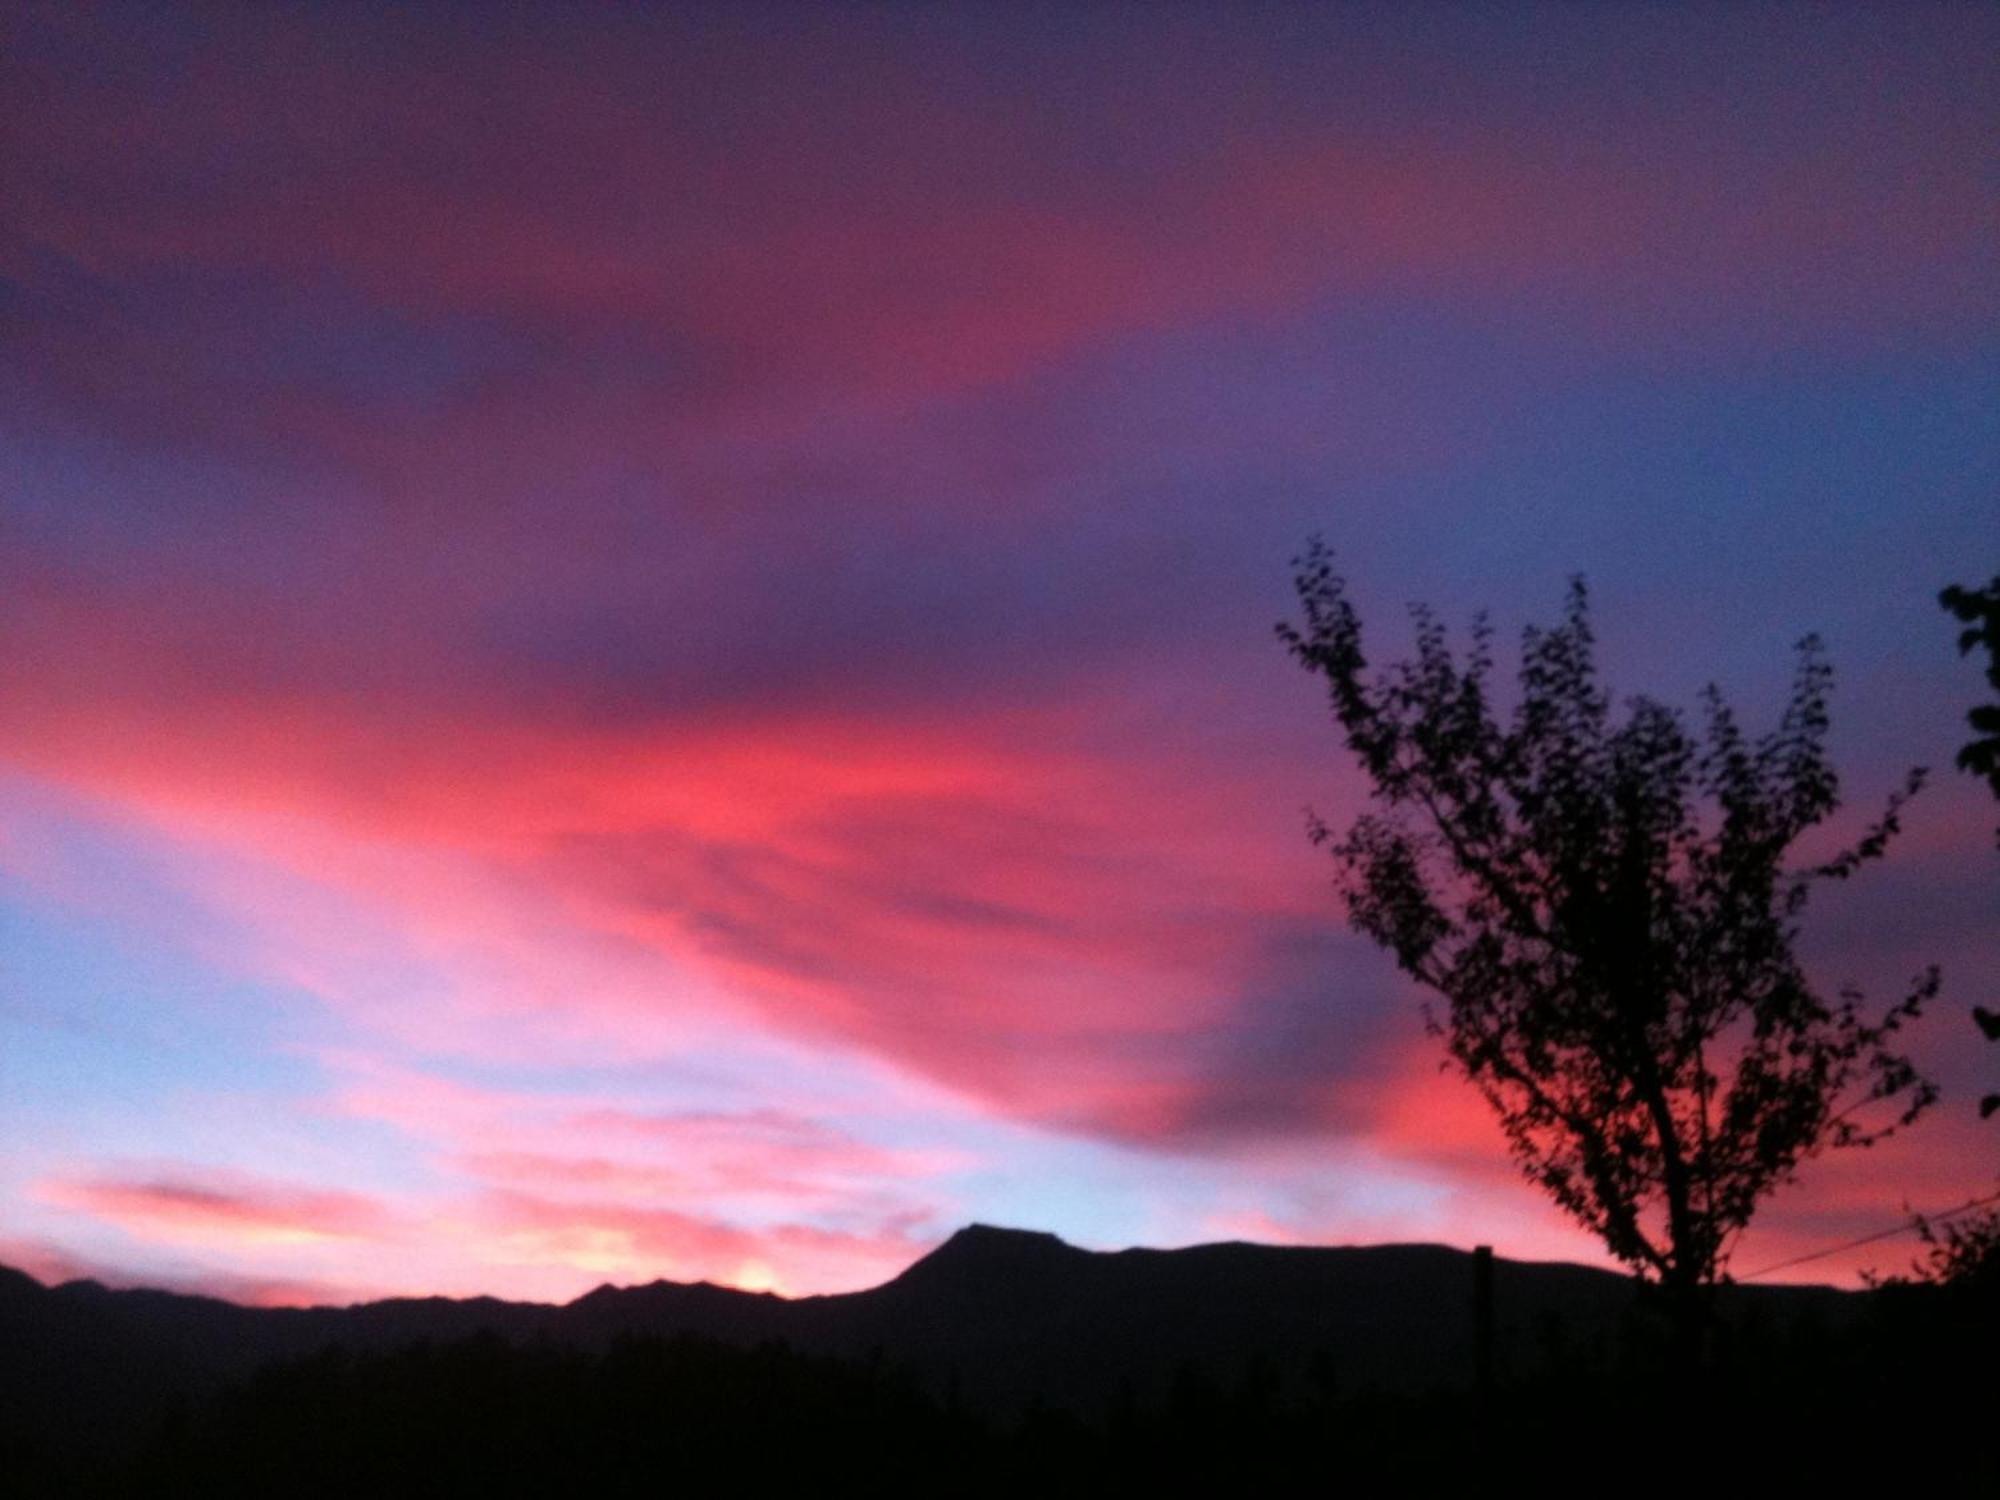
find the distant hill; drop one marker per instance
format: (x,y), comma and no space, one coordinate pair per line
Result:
(993,1318)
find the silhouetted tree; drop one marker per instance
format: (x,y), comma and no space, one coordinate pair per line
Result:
(1606,907)
(1979,611)
(1972,1250)
(1959,1251)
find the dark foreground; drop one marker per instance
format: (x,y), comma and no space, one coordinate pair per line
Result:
(141,1394)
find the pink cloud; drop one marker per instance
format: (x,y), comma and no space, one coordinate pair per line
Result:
(764,1150)
(616,1241)
(538,1227)
(502,1240)
(762,1160)
(1427,1123)
(949,898)
(221,1210)
(52,1265)
(595,623)
(703,273)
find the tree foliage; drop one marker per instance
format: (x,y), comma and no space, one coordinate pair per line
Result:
(1961,1252)
(1606,904)
(1979,611)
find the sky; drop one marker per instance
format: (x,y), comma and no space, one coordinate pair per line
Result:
(639,643)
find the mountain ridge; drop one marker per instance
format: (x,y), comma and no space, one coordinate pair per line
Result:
(1003,1320)
(974,1244)
(973,1247)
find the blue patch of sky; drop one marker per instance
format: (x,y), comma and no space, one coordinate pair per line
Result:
(122,1035)
(116,1048)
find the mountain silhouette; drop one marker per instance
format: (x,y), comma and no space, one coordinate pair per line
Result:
(1000,1319)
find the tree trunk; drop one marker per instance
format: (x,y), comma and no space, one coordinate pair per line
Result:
(1689,1304)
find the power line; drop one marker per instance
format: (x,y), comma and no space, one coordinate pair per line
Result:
(1868,1239)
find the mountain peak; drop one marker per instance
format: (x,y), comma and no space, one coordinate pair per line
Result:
(983,1254)
(993,1242)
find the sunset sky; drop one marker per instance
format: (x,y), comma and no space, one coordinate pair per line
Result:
(641,645)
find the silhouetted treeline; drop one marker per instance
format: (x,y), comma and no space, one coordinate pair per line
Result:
(1903,1393)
